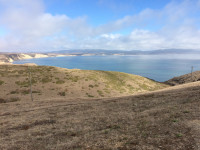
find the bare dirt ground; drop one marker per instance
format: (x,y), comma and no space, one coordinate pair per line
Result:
(168,119)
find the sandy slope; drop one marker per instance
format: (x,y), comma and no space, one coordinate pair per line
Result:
(8,58)
(161,120)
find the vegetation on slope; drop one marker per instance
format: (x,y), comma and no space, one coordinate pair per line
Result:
(164,120)
(53,82)
(187,78)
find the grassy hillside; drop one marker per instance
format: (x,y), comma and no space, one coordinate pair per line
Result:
(162,120)
(54,82)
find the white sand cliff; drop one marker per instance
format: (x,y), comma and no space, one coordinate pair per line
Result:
(9,58)
(30,56)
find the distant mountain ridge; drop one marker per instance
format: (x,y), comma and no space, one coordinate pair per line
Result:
(130,52)
(10,57)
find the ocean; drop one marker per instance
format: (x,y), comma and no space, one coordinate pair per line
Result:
(159,68)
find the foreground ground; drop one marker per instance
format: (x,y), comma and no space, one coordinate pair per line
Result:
(168,119)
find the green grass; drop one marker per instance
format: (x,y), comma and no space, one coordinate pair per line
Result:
(179,135)
(60,82)
(103,83)
(175,120)
(144,86)
(25,83)
(115,80)
(106,91)
(46,80)
(186,111)
(22,83)
(1,82)
(100,93)
(73,78)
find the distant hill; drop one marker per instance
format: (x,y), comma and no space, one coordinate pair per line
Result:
(53,82)
(131,52)
(10,57)
(187,78)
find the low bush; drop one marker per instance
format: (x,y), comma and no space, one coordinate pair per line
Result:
(2,100)
(61,93)
(1,82)
(60,82)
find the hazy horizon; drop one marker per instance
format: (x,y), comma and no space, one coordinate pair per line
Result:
(169,51)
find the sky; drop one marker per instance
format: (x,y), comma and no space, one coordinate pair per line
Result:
(49,25)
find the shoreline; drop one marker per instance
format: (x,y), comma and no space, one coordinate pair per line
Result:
(9,58)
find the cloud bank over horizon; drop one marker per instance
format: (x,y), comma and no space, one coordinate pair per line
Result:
(27,25)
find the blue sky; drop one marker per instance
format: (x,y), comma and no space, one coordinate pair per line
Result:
(101,11)
(45,25)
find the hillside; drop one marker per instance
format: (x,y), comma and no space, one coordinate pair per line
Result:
(163,120)
(10,57)
(187,78)
(59,83)
(129,52)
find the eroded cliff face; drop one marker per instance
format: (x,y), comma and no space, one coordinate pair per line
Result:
(10,57)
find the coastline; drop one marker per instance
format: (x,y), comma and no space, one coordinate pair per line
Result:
(9,58)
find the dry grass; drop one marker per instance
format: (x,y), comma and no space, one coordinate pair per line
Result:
(163,120)
(59,119)
(52,82)
(187,78)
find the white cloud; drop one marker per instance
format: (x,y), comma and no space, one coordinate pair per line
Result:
(111,36)
(31,28)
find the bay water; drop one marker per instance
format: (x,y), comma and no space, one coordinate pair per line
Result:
(157,67)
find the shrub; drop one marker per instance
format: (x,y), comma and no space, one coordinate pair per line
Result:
(46,80)
(100,93)
(2,100)
(14,99)
(1,82)
(89,95)
(35,91)
(25,92)
(60,82)
(23,83)
(20,71)
(91,86)
(14,92)
(61,93)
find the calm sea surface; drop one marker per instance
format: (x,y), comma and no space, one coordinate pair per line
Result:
(159,68)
